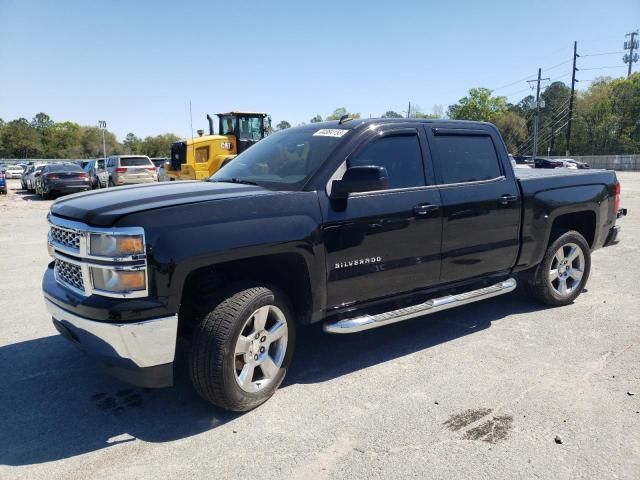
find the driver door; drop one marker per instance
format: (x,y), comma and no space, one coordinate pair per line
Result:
(383,243)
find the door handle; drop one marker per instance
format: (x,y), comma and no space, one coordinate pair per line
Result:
(424,209)
(506,199)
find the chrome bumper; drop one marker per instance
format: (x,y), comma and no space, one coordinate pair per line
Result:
(142,344)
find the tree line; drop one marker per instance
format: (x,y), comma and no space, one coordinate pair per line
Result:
(44,138)
(606,117)
(606,120)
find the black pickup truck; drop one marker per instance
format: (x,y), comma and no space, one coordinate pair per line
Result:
(356,224)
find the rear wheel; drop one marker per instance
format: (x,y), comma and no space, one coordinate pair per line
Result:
(242,348)
(561,276)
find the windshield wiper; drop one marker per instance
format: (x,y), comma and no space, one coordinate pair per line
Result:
(237,180)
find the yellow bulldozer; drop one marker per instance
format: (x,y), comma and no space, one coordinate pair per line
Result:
(200,157)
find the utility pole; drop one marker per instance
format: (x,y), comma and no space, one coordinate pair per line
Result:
(409,111)
(573,89)
(631,45)
(537,120)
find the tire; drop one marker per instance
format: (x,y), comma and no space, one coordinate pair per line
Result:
(219,360)
(45,194)
(111,184)
(545,282)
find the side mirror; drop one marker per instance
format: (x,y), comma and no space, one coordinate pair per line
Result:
(37,174)
(366,178)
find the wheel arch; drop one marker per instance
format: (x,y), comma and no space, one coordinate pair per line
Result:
(286,271)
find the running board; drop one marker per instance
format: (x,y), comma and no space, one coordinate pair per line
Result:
(366,322)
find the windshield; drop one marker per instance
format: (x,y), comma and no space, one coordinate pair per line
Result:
(284,160)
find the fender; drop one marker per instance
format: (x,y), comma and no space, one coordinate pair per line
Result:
(188,237)
(542,208)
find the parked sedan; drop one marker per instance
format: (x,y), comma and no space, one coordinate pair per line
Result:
(13,171)
(574,164)
(62,178)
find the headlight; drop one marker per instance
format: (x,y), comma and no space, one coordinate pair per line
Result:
(117,280)
(116,245)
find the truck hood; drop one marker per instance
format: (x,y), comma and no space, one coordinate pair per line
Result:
(102,208)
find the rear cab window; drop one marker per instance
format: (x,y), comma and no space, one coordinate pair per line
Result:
(465,158)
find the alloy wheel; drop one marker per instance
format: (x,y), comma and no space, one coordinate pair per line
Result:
(567,269)
(260,348)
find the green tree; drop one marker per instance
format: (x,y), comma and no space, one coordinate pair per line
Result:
(283,125)
(391,114)
(63,141)
(513,129)
(132,144)
(158,146)
(479,105)
(41,121)
(91,142)
(21,140)
(338,113)
(316,119)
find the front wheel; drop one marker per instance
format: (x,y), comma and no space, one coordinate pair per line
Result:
(563,272)
(242,348)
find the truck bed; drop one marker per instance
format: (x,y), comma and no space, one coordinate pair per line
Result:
(535,180)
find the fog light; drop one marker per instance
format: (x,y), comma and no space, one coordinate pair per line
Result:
(118,281)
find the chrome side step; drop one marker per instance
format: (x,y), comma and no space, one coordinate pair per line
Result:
(366,322)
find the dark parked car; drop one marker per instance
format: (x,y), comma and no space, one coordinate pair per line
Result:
(548,163)
(3,184)
(62,178)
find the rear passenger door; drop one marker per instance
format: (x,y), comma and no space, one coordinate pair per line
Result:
(481,202)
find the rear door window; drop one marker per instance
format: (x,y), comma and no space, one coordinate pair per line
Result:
(466,158)
(399,154)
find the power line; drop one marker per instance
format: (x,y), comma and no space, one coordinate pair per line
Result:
(600,54)
(603,68)
(556,65)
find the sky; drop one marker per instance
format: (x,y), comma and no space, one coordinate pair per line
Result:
(138,64)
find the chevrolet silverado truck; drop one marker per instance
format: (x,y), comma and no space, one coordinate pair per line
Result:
(356,224)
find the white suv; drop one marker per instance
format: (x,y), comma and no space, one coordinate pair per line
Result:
(130,169)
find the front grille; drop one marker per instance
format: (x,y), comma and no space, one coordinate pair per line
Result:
(69,274)
(65,237)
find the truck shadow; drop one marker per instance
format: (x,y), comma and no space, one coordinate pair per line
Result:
(57,405)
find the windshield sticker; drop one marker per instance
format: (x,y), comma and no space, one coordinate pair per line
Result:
(330,132)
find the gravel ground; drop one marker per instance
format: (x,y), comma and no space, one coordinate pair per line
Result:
(505,388)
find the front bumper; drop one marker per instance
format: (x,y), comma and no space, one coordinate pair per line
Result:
(140,353)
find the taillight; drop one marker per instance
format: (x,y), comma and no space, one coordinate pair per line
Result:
(52,177)
(152,169)
(617,200)
(84,175)
(121,169)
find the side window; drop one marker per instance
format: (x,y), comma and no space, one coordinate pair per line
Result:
(466,158)
(202,155)
(399,154)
